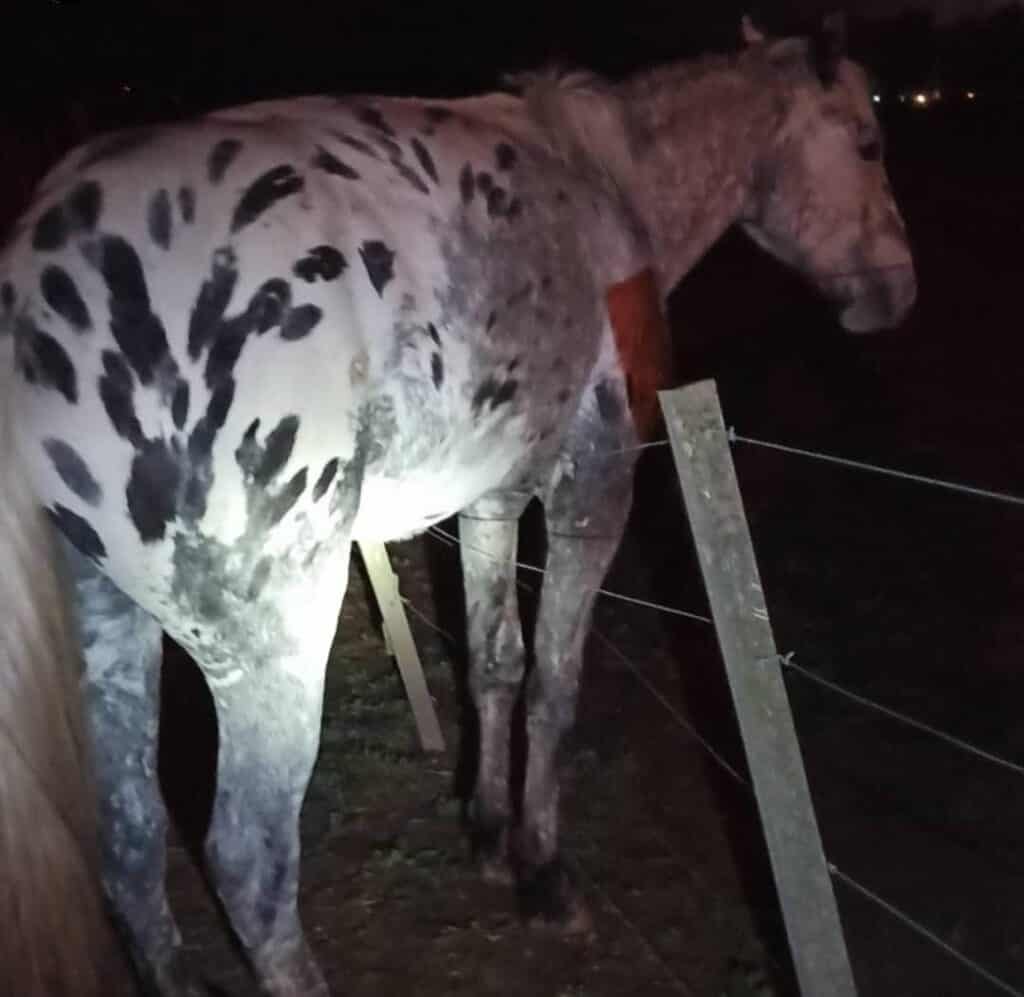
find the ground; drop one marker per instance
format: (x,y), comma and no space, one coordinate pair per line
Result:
(910,595)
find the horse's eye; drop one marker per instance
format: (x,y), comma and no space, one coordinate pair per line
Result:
(871,151)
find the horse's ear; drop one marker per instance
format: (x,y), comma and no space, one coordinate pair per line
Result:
(751,34)
(828,47)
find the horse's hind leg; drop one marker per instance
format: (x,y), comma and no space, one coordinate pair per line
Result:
(268,720)
(585,512)
(121,645)
(488,533)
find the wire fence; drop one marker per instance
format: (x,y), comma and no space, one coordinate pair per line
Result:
(791,666)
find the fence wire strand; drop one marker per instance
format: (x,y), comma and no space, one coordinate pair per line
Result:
(676,714)
(788,662)
(966,961)
(437,531)
(860,465)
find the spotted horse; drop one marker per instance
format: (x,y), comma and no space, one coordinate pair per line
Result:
(233,346)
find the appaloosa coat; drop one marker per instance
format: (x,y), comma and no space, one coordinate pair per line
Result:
(232,346)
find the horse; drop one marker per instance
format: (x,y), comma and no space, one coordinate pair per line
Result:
(232,346)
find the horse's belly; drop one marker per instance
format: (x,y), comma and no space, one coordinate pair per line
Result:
(397,506)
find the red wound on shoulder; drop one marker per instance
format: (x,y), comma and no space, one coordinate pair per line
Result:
(641,335)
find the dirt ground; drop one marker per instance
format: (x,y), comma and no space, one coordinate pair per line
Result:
(908,594)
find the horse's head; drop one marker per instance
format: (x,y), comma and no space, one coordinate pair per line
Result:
(820,199)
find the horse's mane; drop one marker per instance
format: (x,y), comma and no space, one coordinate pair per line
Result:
(556,77)
(582,118)
(588,119)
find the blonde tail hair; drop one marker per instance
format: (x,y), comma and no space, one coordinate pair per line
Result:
(53,933)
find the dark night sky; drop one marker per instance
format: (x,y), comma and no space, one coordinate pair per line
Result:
(185,55)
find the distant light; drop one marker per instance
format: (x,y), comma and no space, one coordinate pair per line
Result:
(877,98)
(920,99)
(971,95)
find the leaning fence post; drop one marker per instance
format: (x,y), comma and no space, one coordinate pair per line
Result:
(400,644)
(700,447)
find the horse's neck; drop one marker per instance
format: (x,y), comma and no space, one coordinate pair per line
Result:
(694,162)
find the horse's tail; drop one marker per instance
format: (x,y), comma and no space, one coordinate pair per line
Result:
(52,926)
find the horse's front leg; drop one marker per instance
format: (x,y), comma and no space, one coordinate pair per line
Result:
(488,533)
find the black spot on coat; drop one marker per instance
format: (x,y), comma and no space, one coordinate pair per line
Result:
(51,231)
(426,161)
(7,295)
(278,506)
(73,470)
(371,116)
(467,183)
(83,206)
(323,160)
(301,322)
(116,389)
(136,330)
(260,577)
(44,361)
(78,212)
(187,204)
(263,193)
(153,489)
(212,301)
(324,262)
(269,305)
(437,369)
(222,155)
(434,335)
(81,534)
(505,156)
(264,463)
(179,404)
(608,405)
(356,143)
(159,219)
(200,448)
(496,199)
(410,176)
(61,294)
(325,479)
(379,262)
(260,465)
(494,393)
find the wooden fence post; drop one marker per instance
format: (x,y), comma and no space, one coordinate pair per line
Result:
(398,638)
(700,447)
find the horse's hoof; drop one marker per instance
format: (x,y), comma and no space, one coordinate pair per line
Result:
(552,902)
(490,850)
(575,921)
(495,871)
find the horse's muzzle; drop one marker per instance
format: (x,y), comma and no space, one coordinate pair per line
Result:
(879,299)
